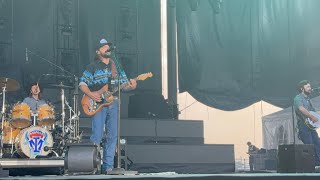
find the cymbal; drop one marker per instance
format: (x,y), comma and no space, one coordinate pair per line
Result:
(61,86)
(11,84)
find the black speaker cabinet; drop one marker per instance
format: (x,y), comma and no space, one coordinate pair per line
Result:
(82,158)
(296,158)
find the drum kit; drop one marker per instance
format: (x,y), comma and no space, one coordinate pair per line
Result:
(27,134)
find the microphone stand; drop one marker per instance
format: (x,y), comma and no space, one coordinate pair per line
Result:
(293,124)
(118,170)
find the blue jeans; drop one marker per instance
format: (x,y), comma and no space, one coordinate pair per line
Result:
(107,116)
(309,136)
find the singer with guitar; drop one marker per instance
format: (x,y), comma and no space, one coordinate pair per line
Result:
(303,109)
(97,79)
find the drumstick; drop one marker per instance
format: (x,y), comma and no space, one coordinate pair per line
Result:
(38,88)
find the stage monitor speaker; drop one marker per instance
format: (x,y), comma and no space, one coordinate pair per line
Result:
(296,158)
(82,159)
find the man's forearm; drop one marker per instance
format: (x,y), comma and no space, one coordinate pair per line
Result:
(85,89)
(305,112)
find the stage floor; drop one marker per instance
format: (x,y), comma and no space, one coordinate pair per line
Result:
(172,175)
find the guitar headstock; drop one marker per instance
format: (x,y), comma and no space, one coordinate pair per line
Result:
(144,76)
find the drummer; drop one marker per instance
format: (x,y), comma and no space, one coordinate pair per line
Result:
(34,100)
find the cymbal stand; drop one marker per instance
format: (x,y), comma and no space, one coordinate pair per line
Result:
(73,121)
(63,114)
(3,116)
(76,110)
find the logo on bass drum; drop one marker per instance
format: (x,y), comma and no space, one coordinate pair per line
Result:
(36,139)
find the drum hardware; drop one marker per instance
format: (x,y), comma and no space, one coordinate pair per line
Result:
(2,116)
(72,128)
(60,86)
(34,117)
(6,84)
(62,114)
(46,148)
(9,84)
(74,120)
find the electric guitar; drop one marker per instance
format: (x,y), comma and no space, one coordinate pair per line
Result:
(91,107)
(311,124)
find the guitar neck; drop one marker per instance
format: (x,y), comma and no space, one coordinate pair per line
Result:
(141,77)
(124,85)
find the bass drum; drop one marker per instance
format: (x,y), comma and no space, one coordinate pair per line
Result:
(34,141)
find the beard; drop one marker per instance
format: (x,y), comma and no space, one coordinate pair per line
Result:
(106,55)
(307,92)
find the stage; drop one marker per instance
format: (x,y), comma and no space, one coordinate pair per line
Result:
(172,175)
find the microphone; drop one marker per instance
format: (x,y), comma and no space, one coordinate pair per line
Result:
(57,75)
(315,89)
(111,48)
(27,58)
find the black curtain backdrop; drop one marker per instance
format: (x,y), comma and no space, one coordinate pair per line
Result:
(132,26)
(233,53)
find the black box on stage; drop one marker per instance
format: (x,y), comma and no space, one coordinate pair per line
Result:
(148,106)
(296,158)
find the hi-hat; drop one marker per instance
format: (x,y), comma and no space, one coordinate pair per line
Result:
(10,84)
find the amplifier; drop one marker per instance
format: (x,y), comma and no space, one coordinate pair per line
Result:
(296,158)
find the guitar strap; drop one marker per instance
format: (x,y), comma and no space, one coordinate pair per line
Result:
(113,76)
(114,70)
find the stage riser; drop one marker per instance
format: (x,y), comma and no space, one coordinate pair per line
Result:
(154,140)
(144,131)
(187,168)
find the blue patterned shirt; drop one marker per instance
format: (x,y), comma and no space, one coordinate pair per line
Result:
(98,74)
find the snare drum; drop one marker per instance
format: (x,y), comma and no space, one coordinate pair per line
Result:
(45,115)
(9,133)
(34,141)
(21,116)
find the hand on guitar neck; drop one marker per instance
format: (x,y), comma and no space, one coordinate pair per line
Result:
(130,85)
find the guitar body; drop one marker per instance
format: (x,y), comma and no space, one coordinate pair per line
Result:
(311,124)
(91,107)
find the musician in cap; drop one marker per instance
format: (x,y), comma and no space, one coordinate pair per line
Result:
(34,100)
(97,78)
(304,109)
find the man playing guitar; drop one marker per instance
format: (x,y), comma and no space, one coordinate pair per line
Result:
(95,81)
(303,108)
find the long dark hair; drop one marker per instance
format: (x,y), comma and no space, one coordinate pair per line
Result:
(30,87)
